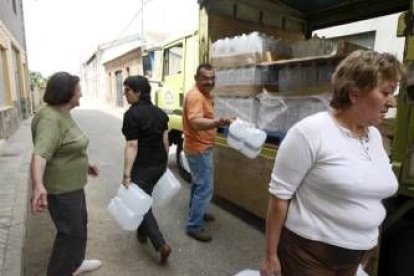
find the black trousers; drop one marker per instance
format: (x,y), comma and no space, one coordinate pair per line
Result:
(68,212)
(146,178)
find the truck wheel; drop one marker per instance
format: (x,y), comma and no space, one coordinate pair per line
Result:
(182,165)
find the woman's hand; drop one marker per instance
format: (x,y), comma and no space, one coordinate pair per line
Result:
(271,267)
(126,180)
(38,202)
(93,170)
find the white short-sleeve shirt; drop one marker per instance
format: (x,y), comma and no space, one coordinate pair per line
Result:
(335,182)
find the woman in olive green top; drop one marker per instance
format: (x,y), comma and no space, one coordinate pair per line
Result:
(59,169)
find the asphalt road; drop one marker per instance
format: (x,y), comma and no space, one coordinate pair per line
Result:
(236,244)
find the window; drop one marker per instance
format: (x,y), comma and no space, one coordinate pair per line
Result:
(17,79)
(119,88)
(14,6)
(173,60)
(148,64)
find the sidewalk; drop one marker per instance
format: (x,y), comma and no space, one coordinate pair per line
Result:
(14,165)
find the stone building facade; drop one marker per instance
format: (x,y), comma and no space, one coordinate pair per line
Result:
(14,77)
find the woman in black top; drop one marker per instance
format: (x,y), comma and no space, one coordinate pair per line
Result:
(145,128)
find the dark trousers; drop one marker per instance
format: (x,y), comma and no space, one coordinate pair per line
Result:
(302,257)
(68,212)
(146,178)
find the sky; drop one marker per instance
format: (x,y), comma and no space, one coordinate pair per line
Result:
(61,34)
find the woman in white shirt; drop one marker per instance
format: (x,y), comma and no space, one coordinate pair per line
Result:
(331,174)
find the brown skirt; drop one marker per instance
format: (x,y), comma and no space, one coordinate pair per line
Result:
(302,257)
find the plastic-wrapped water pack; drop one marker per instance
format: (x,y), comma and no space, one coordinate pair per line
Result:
(279,113)
(245,108)
(248,49)
(240,82)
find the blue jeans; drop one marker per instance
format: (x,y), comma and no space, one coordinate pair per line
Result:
(201,167)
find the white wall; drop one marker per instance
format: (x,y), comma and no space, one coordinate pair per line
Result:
(385,27)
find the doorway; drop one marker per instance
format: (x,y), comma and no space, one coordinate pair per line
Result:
(119,89)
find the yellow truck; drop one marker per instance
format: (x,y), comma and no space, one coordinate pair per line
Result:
(244,181)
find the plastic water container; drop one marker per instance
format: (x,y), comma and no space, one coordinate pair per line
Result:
(361,271)
(185,162)
(166,188)
(127,219)
(135,198)
(245,138)
(253,142)
(248,272)
(236,133)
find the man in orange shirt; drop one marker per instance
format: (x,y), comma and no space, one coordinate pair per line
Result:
(199,132)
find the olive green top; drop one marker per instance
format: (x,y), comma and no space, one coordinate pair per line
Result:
(58,139)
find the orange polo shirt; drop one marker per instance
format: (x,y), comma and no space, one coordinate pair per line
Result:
(197,105)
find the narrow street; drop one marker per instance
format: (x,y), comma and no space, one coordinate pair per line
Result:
(236,245)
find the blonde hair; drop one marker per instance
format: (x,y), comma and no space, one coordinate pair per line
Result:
(363,71)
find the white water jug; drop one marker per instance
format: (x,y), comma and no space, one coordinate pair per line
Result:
(361,271)
(135,198)
(235,135)
(253,142)
(127,219)
(248,272)
(245,138)
(165,189)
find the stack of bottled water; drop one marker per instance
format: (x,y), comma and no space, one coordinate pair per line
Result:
(248,49)
(297,75)
(246,75)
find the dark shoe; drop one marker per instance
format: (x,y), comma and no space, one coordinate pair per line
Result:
(141,237)
(165,251)
(200,235)
(209,217)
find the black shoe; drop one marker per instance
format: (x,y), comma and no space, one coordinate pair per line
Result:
(141,237)
(200,235)
(165,251)
(209,217)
